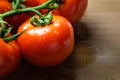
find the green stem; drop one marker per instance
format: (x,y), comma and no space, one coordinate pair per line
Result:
(3,28)
(27,10)
(13,37)
(31,10)
(9,13)
(44,6)
(48,18)
(16,4)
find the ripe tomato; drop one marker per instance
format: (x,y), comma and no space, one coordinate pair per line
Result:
(71,9)
(48,45)
(31,3)
(5,6)
(9,57)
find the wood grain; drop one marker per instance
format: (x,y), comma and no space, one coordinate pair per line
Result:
(96,55)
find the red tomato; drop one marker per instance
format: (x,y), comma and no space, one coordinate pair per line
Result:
(71,9)
(48,45)
(5,6)
(31,3)
(9,57)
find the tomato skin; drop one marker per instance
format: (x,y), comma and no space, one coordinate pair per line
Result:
(17,20)
(71,9)
(49,45)
(9,57)
(31,3)
(5,6)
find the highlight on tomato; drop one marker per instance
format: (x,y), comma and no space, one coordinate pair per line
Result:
(71,9)
(48,45)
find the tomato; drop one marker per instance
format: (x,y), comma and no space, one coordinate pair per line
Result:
(71,9)
(48,45)
(9,57)
(5,6)
(31,3)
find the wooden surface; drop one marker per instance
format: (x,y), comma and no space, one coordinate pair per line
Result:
(96,55)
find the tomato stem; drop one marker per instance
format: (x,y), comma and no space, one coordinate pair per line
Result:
(13,37)
(50,4)
(48,18)
(17,3)
(3,28)
(42,20)
(46,5)
(30,9)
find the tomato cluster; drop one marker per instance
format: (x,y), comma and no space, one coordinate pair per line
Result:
(43,46)
(73,10)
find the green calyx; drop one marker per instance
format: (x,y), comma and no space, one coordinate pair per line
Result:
(19,8)
(43,20)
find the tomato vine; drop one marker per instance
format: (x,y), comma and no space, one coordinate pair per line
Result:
(19,8)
